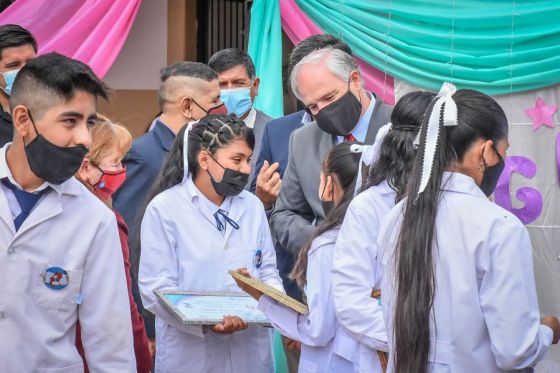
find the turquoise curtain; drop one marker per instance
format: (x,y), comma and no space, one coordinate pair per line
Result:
(469,42)
(265,48)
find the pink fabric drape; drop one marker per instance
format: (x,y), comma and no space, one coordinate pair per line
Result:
(92,31)
(298,26)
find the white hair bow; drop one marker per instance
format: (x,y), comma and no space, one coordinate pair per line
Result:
(448,117)
(370,153)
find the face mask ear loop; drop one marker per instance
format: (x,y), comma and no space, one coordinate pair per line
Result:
(32,123)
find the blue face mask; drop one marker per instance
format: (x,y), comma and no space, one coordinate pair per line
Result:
(9,77)
(238,100)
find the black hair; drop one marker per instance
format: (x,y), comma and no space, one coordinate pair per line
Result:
(53,74)
(396,153)
(227,58)
(313,43)
(189,69)
(342,165)
(211,133)
(12,36)
(479,117)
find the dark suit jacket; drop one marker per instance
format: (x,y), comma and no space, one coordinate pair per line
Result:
(274,148)
(274,143)
(143,165)
(6,128)
(298,208)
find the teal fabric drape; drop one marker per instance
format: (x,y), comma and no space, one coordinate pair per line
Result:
(265,48)
(412,40)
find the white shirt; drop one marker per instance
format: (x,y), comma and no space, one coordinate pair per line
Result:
(317,331)
(485,303)
(183,249)
(251,117)
(72,229)
(355,273)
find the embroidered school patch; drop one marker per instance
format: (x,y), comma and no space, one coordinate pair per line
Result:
(55,278)
(257,260)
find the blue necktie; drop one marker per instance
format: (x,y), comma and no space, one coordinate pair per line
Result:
(221,226)
(26,201)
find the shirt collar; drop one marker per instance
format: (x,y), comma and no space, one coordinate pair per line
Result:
(251,117)
(461,183)
(68,187)
(165,135)
(361,129)
(201,201)
(307,118)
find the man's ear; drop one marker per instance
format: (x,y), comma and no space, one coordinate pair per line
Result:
(21,121)
(186,107)
(255,88)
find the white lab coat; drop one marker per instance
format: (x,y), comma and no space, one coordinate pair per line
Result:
(318,331)
(355,274)
(183,249)
(485,303)
(72,229)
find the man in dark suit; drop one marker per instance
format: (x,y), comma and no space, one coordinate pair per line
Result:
(239,86)
(17,46)
(328,82)
(188,92)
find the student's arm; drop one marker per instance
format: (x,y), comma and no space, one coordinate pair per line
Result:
(104,312)
(292,219)
(508,299)
(354,277)
(268,271)
(318,327)
(159,268)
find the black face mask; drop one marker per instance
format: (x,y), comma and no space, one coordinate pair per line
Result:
(50,162)
(492,174)
(232,182)
(326,205)
(340,117)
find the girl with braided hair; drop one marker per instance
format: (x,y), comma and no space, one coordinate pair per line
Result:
(199,224)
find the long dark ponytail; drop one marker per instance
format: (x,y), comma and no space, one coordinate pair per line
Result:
(343,164)
(479,117)
(396,154)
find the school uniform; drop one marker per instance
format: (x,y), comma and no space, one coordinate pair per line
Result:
(322,341)
(63,263)
(355,274)
(485,306)
(182,248)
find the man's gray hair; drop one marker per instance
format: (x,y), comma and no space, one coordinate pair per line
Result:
(338,62)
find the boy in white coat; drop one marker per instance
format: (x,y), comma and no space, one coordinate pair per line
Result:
(61,259)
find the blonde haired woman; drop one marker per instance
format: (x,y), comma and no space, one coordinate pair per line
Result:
(103,173)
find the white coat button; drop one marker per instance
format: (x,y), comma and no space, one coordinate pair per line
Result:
(11,251)
(1,316)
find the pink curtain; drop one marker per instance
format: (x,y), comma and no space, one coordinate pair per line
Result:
(298,27)
(92,31)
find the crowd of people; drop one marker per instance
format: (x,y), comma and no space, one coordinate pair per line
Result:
(377,217)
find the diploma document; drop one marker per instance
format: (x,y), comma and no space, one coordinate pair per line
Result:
(195,308)
(271,292)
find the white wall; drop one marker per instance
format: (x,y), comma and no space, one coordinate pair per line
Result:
(144,53)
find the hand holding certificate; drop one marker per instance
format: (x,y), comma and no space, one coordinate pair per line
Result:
(225,312)
(256,288)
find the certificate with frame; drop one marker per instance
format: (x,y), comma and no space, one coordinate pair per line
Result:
(201,308)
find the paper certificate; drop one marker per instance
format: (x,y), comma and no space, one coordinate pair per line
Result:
(271,292)
(194,308)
